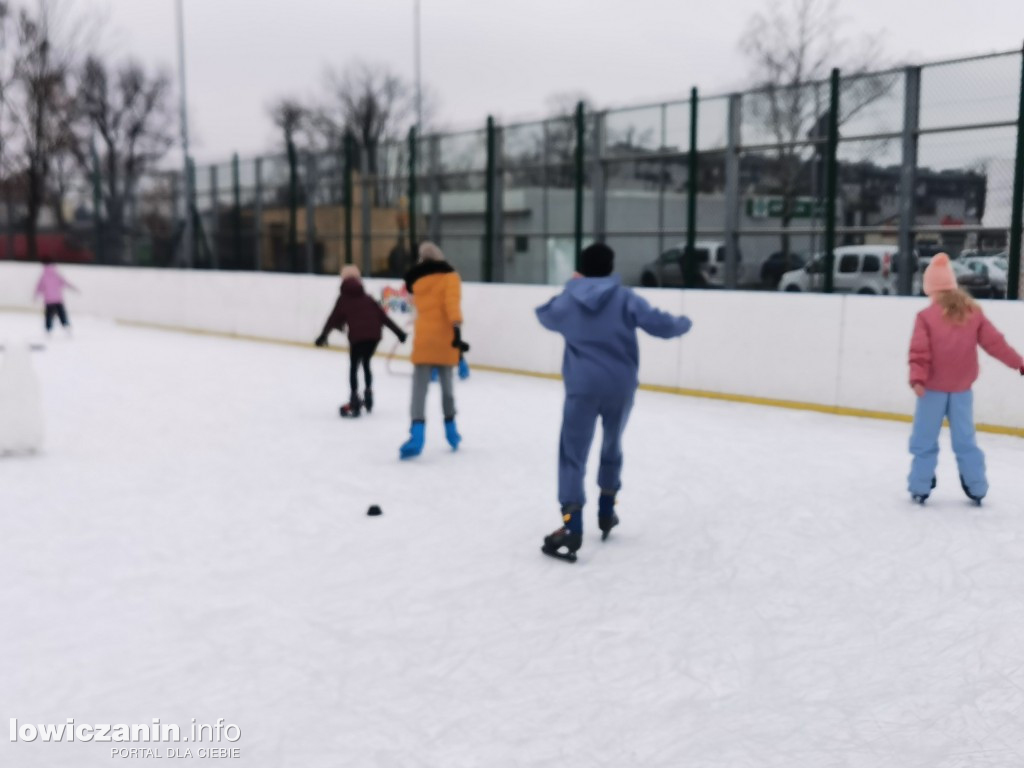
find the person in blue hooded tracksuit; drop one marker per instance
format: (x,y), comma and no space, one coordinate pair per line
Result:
(598,316)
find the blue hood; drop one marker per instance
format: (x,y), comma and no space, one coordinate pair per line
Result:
(598,317)
(593,293)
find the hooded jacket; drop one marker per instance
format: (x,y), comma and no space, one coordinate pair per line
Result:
(944,355)
(598,316)
(363,316)
(437,293)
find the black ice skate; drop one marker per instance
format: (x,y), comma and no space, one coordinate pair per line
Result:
(606,517)
(368,400)
(606,523)
(560,540)
(351,409)
(971,496)
(921,498)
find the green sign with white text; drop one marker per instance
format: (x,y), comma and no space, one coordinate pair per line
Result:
(771,208)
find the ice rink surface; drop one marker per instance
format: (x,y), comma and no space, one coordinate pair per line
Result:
(192,543)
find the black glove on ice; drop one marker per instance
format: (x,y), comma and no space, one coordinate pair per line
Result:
(457,342)
(402,337)
(321,341)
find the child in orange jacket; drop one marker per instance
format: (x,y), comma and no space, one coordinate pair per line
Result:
(437,341)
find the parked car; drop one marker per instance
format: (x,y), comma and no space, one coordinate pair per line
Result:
(667,270)
(976,283)
(867,269)
(996,267)
(778,264)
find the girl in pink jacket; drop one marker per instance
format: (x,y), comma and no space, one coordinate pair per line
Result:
(51,287)
(943,366)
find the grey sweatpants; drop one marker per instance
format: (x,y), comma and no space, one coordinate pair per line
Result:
(420,382)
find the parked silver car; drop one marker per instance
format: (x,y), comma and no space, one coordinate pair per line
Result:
(995,267)
(667,270)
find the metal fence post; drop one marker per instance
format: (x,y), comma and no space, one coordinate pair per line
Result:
(349,152)
(1017,211)
(832,180)
(97,205)
(908,179)
(545,221)
(690,267)
(310,190)
(434,161)
(193,230)
(488,265)
(257,223)
(498,226)
(293,205)
(579,181)
(366,209)
(214,234)
(598,183)
(236,213)
(175,195)
(413,208)
(663,174)
(732,190)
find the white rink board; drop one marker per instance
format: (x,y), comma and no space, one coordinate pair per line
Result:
(833,351)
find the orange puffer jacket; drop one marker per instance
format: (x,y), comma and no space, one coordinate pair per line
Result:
(437,293)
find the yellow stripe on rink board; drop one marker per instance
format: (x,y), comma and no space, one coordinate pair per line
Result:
(835,410)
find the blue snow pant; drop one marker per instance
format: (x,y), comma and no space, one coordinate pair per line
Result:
(579,420)
(958,407)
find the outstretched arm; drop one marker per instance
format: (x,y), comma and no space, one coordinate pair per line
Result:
(993,342)
(655,321)
(391,324)
(552,314)
(335,321)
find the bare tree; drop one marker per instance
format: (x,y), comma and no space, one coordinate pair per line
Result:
(37,102)
(371,102)
(291,117)
(129,112)
(550,156)
(792,46)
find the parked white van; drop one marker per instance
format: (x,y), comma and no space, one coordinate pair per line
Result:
(867,269)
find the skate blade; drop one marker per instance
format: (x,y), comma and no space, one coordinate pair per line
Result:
(569,557)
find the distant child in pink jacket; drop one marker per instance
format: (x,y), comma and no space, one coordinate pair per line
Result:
(943,366)
(51,287)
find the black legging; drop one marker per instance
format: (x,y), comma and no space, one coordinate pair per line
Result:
(58,311)
(360,352)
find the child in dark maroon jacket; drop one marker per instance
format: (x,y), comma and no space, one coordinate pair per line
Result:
(364,318)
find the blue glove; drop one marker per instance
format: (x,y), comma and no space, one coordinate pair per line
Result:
(463,368)
(433,374)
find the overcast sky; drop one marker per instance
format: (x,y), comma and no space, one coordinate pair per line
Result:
(485,57)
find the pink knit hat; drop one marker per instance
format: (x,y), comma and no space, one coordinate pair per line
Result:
(939,275)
